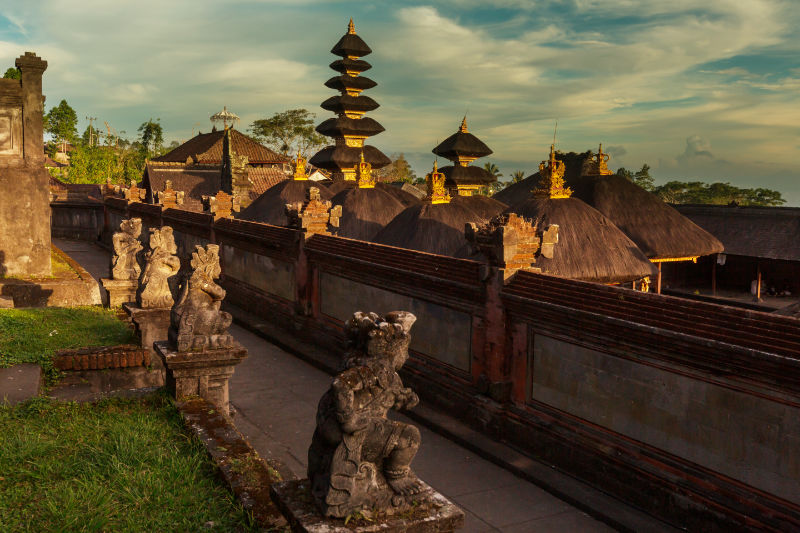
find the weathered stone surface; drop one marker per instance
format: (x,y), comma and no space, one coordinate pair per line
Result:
(197,323)
(161,264)
(120,291)
(202,373)
(432,513)
(125,263)
(359,459)
(24,190)
(152,325)
(102,357)
(313,215)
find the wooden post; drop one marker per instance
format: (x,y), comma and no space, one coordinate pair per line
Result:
(658,280)
(714,277)
(758,283)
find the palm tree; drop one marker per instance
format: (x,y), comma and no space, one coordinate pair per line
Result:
(517,176)
(493,170)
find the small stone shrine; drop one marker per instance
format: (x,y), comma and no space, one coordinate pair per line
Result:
(125,267)
(200,354)
(359,462)
(154,298)
(169,198)
(314,215)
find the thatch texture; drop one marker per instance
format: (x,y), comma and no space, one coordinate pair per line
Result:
(458,175)
(345,81)
(658,230)
(462,143)
(767,232)
(433,228)
(343,125)
(482,205)
(401,195)
(351,45)
(365,211)
(590,247)
(334,158)
(353,65)
(345,102)
(270,207)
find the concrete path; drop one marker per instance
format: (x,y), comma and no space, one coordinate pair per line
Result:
(96,260)
(275,395)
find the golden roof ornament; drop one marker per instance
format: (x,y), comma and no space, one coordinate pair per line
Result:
(463,128)
(437,193)
(551,182)
(365,178)
(597,164)
(300,168)
(351,28)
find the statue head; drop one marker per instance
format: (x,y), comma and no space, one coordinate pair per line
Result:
(372,337)
(206,260)
(162,238)
(131,226)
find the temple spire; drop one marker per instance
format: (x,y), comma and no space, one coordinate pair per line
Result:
(463,128)
(551,182)
(597,164)
(351,28)
(437,192)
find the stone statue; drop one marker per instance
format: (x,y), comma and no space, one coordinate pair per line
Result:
(161,263)
(196,322)
(124,264)
(358,458)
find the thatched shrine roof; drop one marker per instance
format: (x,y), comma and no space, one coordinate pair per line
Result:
(767,232)
(365,211)
(337,157)
(206,148)
(351,44)
(484,206)
(460,175)
(352,65)
(462,143)
(345,81)
(590,247)
(432,228)
(344,102)
(270,206)
(343,125)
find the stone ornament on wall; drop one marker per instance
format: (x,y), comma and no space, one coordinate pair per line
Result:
(124,264)
(314,215)
(170,198)
(359,459)
(196,321)
(161,264)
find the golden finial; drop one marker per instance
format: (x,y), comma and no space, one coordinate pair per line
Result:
(300,168)
(351,28)
(437,193)
(551,182)
(463,128)
(597,164)
(365,178)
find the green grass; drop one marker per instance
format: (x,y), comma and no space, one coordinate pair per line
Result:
(118,465)
(34,335)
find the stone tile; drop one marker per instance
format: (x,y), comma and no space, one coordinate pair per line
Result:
(570,521)
(512,504)
(19,383)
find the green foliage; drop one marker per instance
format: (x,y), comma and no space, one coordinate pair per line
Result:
(62,122)
(517,176)
(288,132)
(641,177)
(97,163)
(493,170)
(34,335)
(117,465)
(398,170)
(12,73)
(90,136)
(697,192)
(151,137)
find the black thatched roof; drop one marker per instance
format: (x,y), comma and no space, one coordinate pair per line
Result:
(335,158)
(271,205)
(469,175)
(343,125)
(351,45)
(432,228)
(482,205)
(590,247)
(521,190)
(344,82)
(345,102)
(404,197)
(768,232)
(462,143)
(339,185)
(365,211)
(353,65)
(195,182)
(658,230)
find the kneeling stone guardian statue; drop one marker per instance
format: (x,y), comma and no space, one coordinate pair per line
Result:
(358,458)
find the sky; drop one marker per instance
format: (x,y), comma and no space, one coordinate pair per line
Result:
(706,91)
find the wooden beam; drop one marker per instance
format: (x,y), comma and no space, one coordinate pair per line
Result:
(658,280)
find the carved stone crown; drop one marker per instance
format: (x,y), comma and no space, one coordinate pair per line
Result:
(300,168)
(597,164)
(365,178)
(551,182)
(437,193)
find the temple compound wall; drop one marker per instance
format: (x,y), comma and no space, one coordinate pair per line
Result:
(687,409)
(24,182)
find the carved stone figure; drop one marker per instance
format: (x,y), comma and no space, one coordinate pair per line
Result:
(161,264)
(124,265)
(358,458)
(196,321)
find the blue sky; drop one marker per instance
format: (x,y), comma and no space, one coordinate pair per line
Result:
(697,90)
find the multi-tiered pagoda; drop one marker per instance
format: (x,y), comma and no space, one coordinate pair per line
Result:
(462,148)
(350,128)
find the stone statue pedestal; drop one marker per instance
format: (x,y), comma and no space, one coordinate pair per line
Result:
(120,291)
(202,373)
(432,513)
(151,324)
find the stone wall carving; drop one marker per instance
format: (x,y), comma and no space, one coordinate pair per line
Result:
(359,459)
(161,264)
(125,264)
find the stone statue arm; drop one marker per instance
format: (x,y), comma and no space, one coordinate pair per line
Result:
(351,416)
(404,397)
(208,286)
(174,263)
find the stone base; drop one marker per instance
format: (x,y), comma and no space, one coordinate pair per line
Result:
(433,513)
(204,373)
(151,325)
(120,291)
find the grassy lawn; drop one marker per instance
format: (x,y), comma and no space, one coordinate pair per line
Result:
(118,465)
(34,335)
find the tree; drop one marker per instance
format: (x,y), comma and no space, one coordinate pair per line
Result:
(493,170)
(697,192)
(517,176)
(62,123)
(642,177)
(90,136)
(12,73)
(288,132)
(397,170)
(151,137)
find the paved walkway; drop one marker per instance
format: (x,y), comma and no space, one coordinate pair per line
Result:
(276,394)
